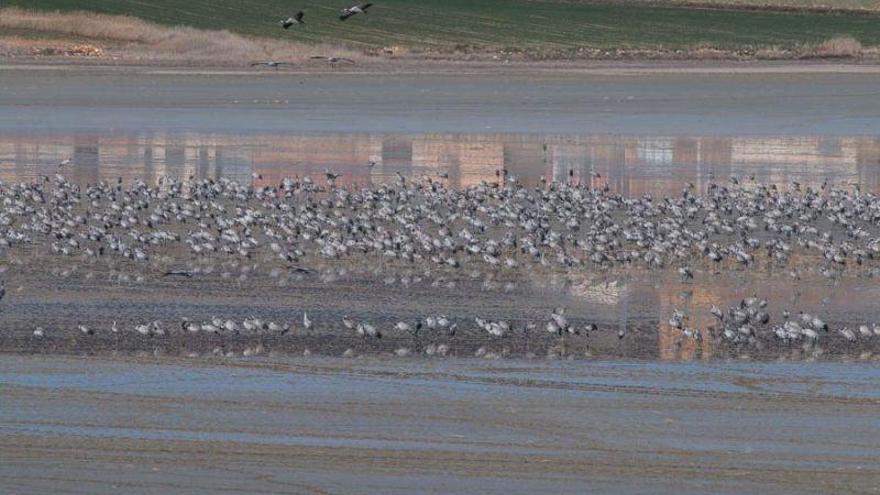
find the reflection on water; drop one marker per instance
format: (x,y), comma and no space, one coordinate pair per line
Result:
(646,300)
(629,165)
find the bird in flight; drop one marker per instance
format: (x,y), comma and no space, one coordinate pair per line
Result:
(290,21)
(357,9)
(333,60)
(65,162)
(270,63)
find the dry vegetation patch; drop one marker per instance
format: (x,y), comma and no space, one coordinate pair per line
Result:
(130,37)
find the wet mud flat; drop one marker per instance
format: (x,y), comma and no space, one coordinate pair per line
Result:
(317,425)
(628,309)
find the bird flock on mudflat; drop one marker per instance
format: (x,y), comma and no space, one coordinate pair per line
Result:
(192,229)
(749,324)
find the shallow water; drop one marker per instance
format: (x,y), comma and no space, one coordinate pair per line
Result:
(455,426)
(582,104)
(641,134)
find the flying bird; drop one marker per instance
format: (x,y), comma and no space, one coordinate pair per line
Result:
(357,9)
(270,63)
(290,21)
(333,60)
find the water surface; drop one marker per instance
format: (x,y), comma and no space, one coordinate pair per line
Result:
(639,134)
(353,426)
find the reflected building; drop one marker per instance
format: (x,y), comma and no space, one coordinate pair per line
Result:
(695,300)
(628,165)
(467,160)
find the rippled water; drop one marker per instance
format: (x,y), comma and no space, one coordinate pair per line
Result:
(463,425)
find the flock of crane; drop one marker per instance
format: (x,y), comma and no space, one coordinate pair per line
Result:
(299,19)
(192,230)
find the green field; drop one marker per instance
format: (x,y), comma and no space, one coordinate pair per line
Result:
(495,23)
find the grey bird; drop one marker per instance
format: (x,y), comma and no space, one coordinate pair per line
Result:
(270,63)
(291,21)
(357,9)
(333,60)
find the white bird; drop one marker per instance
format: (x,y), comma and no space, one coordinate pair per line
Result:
(274,327)
(307,323)
(210,328)
(348,322)
(366,330)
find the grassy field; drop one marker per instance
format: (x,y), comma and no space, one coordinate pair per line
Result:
(836,5)
(529,24)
